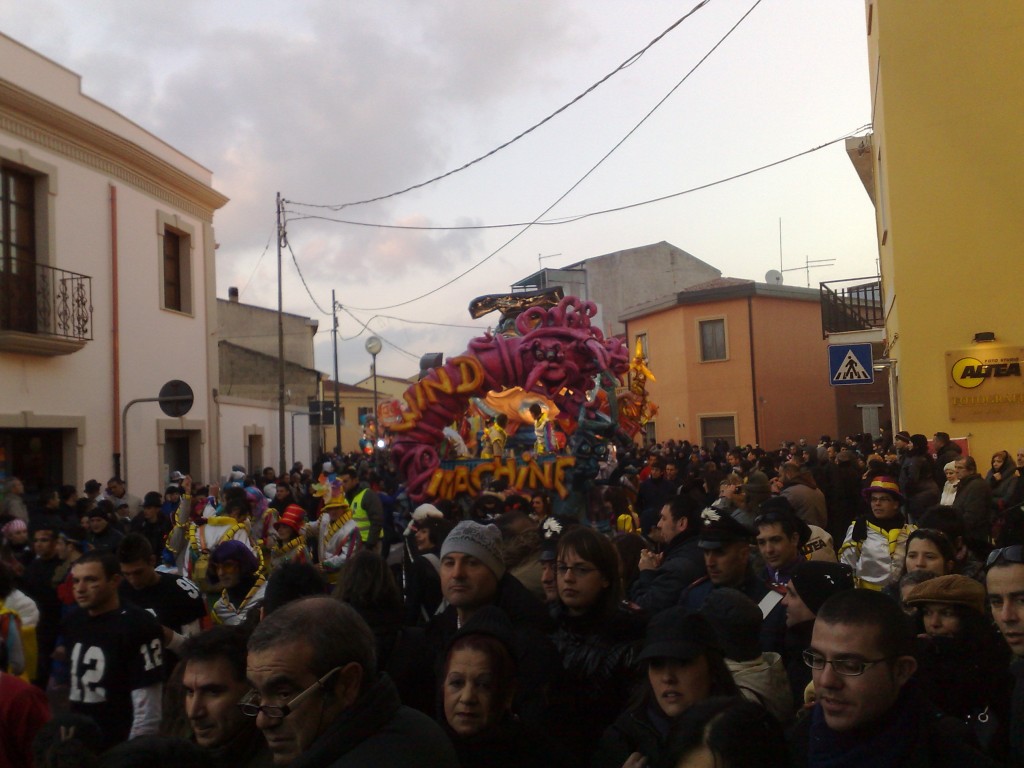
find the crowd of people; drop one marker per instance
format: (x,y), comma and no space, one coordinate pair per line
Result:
(857,602)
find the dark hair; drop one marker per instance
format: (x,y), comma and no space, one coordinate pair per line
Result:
(291,581)
(334,631)
(629,546)
(350,471)
(80,749)
(108,560)
(236,502)
(587,544)
(134,548)
(66,492)
(945,519)
(365,582)
(737,732)
(45,523)
(219,642)
(936,537)
(969,463)
(503,665)
(438,528)
(686,506)
(543,496)
(866,608)
(6,581)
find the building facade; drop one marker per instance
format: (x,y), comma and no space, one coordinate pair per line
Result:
(248,386)
(106,288)
(736,360)
(621,281)
(944,167)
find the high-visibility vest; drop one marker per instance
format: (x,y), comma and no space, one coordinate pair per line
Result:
(360,516)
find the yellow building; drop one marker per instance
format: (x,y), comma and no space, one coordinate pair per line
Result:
(945,169)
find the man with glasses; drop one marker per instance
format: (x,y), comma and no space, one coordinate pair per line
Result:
(213,685)
(1004,580)
(318,699)
(876,543)
(866,711)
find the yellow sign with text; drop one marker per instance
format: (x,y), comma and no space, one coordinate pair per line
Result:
(985,383)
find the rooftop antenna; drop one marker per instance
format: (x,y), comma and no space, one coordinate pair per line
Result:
(541,258)
(810,264)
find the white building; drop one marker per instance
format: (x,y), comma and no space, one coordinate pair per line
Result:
(107,288)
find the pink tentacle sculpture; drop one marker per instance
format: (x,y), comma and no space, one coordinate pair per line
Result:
(557,354)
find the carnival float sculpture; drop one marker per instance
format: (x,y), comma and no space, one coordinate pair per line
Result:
(545,344)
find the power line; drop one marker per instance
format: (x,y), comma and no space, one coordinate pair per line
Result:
(627,63)
(258,261)
(578,217)
(565,194)
(367,328)
(295,261)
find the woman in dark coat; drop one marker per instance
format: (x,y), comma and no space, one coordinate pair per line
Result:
(597,638)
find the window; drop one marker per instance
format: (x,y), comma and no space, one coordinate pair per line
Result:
(712,340)
(175,263)
(642,339)
(714,428)
(17,251)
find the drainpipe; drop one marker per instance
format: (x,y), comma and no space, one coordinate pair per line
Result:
(115,362)
(753,369)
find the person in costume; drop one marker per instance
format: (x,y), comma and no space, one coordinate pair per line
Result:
(192,544)
(495,437)
(235,570)
(291,543)
(336,532)
(542,430)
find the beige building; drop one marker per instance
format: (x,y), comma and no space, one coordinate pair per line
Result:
(248,385)
(621,281)
(106,288)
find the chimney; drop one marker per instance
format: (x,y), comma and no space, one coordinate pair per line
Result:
(233,294)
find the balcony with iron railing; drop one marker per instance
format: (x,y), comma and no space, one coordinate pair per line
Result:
(849,305)
(43,310)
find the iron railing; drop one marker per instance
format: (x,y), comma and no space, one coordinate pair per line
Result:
(851,305)
(38,298)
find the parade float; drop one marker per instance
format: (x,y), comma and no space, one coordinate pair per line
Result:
(556,379)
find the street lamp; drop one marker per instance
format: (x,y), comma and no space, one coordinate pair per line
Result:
(374,346)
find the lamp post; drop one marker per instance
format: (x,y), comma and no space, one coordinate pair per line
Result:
(374,346)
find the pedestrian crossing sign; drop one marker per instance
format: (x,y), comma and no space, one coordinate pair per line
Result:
(850,364)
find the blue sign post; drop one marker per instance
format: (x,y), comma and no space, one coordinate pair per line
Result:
(850,364)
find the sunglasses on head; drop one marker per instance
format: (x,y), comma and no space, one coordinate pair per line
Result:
(1011,554)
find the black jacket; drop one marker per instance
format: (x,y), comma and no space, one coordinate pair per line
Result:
(658,589)
(378,731)
(600,670)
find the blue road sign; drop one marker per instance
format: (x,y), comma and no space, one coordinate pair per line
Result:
(850,364)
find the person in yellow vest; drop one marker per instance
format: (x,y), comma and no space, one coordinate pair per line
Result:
(367,510)
(336,531)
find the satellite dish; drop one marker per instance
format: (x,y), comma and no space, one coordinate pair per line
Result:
(773,277)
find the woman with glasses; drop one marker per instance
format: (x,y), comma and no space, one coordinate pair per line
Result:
(597,638)
(962,660)
(683,666)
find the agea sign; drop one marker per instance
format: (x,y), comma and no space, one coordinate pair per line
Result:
(985,383)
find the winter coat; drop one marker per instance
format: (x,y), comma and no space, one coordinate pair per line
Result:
(657,589)
(600,670)
(763,680)
(809,503)
(974,501)
(644,729)
(379,731)
(876,554)
(510,744)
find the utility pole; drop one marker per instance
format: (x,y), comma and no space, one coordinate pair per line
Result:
(337,396)
(281,240)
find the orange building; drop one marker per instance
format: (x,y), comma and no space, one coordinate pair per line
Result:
(738,360)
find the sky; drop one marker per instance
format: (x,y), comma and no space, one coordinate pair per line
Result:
(330,102)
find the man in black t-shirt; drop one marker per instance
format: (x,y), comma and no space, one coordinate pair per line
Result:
(175,601)
(114,652)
